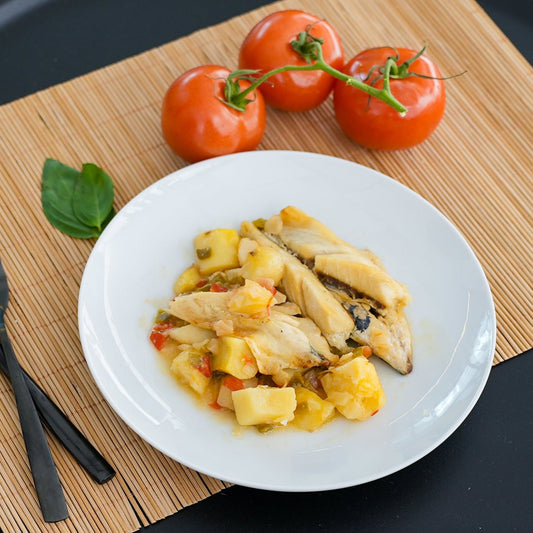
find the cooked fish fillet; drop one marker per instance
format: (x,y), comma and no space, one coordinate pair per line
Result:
(278,347)
(308,237)
(201,309)
(311,331)
(366,279)
(386,331)
(357,279)
(280,343)
(319,247)
(303,288)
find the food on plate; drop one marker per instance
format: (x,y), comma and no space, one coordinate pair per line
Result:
(416,82)
(357,280)
(354,389)
(304,289)
(311,410)
(268,46)
(277,322)
(264,405)
(216,250)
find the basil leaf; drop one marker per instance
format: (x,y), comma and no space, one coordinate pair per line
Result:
(92,201)
(108,219)
(59,182)
(79,204)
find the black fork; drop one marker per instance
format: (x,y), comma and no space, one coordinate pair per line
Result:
(43,469)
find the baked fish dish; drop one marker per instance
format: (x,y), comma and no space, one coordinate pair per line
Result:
(277,322)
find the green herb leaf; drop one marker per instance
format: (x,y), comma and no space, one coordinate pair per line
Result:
(61,184)
(108,219)
(93,196)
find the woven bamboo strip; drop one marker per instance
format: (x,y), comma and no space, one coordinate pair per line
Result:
(476,169)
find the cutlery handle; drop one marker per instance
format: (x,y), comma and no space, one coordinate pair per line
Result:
(43,468)
(69,435)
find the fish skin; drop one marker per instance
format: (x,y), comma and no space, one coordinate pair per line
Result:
(388,336)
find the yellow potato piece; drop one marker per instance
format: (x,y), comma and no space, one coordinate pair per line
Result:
(311,411)
(234,357)
(217,250)
(188,280)
(184,369)
(263,262)
(354,389)
(264,405)
(250,299)
(190,334)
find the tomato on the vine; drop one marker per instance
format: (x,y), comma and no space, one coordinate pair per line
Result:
(268,46)
(197,122)
(418,85)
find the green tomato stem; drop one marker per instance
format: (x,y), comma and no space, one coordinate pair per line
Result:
(239,100)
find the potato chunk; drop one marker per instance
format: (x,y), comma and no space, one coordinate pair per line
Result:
(250,299)
(264,405)
(186,367)
(354,389)
(217,250)
(188,280)
(234,357)
(263,262)
(311,411)
(190,334)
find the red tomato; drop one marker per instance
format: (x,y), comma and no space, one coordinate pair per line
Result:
(374,124)
(197,124)
(267,47)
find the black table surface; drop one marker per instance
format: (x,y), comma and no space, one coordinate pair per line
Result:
(479,480)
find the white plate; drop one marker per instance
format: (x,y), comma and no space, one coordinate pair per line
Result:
(134,263)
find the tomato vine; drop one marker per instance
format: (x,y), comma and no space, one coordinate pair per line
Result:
(310,48)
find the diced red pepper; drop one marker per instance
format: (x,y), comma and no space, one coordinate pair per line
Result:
(233,383)
(214,405)
(205,366)
(216,287)
(201,283)
(158,339)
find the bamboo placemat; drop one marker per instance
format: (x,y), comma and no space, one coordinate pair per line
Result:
(476,169)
